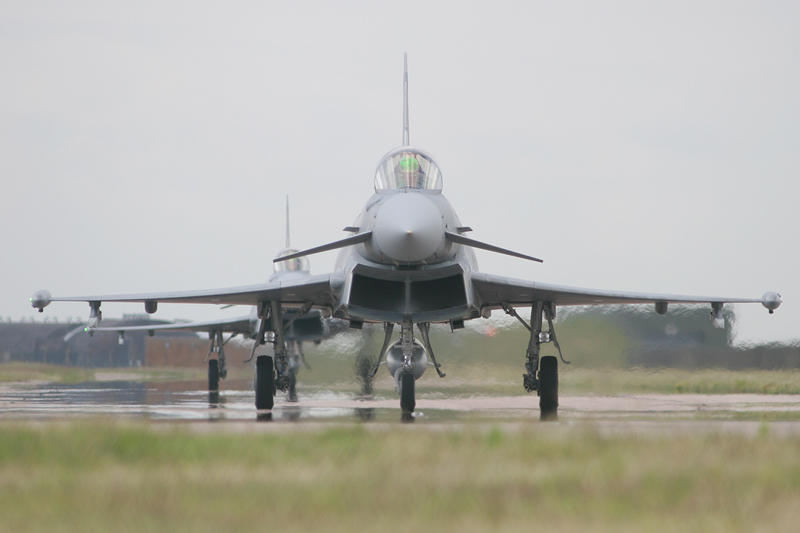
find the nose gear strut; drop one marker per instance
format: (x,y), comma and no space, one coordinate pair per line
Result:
(388,328)
(424,329)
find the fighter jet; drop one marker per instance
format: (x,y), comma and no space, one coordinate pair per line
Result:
(408,263)
(297,327)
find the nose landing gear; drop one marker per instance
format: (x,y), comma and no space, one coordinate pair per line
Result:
(407,400)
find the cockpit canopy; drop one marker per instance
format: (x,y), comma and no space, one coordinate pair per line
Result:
(408,168)
(298,264)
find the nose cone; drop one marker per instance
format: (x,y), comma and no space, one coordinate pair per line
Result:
(408,227)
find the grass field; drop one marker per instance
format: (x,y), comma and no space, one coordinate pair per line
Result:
(102,474)
(23,372)
(465,379)
(105,475)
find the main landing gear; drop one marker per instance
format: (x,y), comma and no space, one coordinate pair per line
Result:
(548,388)
(278,372)
(213,375)
(268,382)
(217,368)
(264,382)
(270,378)
(541,374)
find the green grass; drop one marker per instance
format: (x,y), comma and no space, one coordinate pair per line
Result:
(474,380)
(103,475)
(675,381)
(464,379)
(154,374)
(38,372)
(26,372)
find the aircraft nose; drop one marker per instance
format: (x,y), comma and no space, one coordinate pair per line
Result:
(408,227)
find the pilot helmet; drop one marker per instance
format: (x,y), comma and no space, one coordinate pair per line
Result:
(408,172)
(294,264)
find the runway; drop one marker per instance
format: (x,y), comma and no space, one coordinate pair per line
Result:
(190,402)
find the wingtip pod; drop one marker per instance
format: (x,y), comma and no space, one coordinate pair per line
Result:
(771,300)
(40,300)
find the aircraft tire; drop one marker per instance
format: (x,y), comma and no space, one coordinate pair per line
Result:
(213,375)
(407,400)
(265,382)
(548,388)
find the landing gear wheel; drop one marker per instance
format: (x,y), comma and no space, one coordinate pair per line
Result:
(407,401)
(213,375)
(265,382)
(548,388)
(291,394)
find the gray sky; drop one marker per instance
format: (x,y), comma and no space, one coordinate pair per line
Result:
(649,146)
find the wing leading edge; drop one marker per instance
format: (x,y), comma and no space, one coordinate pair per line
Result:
(236,324)
(494,291)
(320,290)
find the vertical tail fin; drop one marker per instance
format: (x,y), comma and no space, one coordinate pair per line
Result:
(405,100)
(287,221)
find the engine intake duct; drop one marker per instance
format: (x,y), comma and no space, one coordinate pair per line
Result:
(436,294)
(417,295)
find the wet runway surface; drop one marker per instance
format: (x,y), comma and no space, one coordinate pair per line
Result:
(190,402)
(180,401)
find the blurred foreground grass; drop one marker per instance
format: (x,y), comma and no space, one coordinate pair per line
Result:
(106,475)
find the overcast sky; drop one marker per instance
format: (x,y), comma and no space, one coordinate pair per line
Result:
(647,146)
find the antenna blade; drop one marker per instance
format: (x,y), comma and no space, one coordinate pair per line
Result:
(406,142)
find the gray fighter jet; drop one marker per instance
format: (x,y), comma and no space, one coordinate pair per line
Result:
(408,262)
(298,327)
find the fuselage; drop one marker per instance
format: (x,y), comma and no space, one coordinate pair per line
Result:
(407,270)
(308,327)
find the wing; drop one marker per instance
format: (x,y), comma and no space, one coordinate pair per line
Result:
(494,291)
(316,289)
(236,324)
(239,325)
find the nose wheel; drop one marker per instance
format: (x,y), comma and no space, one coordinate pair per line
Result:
(407,400)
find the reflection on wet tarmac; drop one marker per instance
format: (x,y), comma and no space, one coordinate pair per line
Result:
(214,399)
(365,414)
(190,401)
(177,401)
